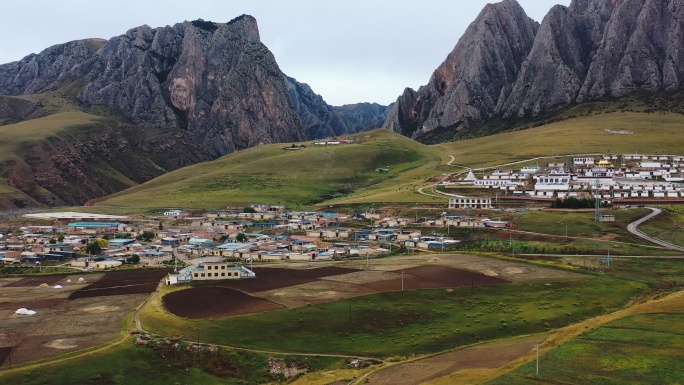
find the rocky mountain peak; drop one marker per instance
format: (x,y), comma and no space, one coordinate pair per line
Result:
(507,68)
(467,87)
(244,26)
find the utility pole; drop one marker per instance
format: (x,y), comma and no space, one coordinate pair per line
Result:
(536,344)
(402,280)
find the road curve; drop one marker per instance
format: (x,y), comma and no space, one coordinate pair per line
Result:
(634,229)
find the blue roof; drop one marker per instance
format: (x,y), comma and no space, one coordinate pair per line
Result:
(94,224)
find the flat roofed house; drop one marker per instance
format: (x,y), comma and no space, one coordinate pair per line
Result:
(210,271)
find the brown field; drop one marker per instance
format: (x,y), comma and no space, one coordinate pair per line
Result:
(433,277)
(125,278)
(493,267)
(36,281)
(214,301)
(420,271)
(143,288)
(122,283)
(4,353)
(483,356)
(275,278)
(64,323)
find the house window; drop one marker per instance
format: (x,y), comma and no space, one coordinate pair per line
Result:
(223,274)
(215,274)
(208,267)
(196,275)
(223,267)
(202,274)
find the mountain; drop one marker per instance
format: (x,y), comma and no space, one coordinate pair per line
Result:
(216,81)
(506,69)
(106,115)
(475,78)
(321,120)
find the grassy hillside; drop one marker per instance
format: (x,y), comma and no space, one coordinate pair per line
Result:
(658,132)
(345,174)
(276,175)
(62,153)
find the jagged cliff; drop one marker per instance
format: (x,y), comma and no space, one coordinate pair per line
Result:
(476,76)
(216,81)
(506,68)
(321,120)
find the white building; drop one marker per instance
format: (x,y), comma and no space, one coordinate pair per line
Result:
(470,203)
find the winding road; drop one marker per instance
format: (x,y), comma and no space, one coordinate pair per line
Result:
(634,229)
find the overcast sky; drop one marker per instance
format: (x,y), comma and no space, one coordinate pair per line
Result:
(347,51)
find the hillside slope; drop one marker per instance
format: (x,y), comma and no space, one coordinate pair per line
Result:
(278,174)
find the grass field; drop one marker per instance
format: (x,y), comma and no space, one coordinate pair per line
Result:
(652,133)
(408,322)
(581,224)
(130,364)
(271,174)
(642,349)
(659,273)
(344,174)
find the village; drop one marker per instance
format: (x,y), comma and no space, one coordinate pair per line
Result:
(628,178)
(222,244)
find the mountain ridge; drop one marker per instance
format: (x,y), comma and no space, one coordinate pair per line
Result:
(588,51)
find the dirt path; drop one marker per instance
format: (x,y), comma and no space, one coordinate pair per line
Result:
(484,356)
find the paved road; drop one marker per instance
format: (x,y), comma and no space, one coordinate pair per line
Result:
(634,229)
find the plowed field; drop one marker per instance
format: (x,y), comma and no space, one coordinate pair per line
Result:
(213,301)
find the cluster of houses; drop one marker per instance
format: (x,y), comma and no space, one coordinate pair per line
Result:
(608,176)
(262,233)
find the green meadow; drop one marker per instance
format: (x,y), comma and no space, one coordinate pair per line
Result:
(131,364)
(273,174)
(403,323)
(651,133)
(641,349)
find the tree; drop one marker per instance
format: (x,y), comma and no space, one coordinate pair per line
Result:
(147,235)
(52,241)
(60,239)
(134,259)
(96,246)
(240,237)
(249,209)
(161,227)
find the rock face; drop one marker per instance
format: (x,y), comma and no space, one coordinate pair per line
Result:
(552,74)
(37,73)
(504,67)
(475,77)
(321,120)
(217,81)
(641,50)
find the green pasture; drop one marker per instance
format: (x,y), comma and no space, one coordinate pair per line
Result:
(582,224)
(658,273)
(641,349)
(652,133)
(402,323)
(272,174)
(127,363)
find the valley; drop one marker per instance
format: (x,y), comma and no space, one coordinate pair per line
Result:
(176,209)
